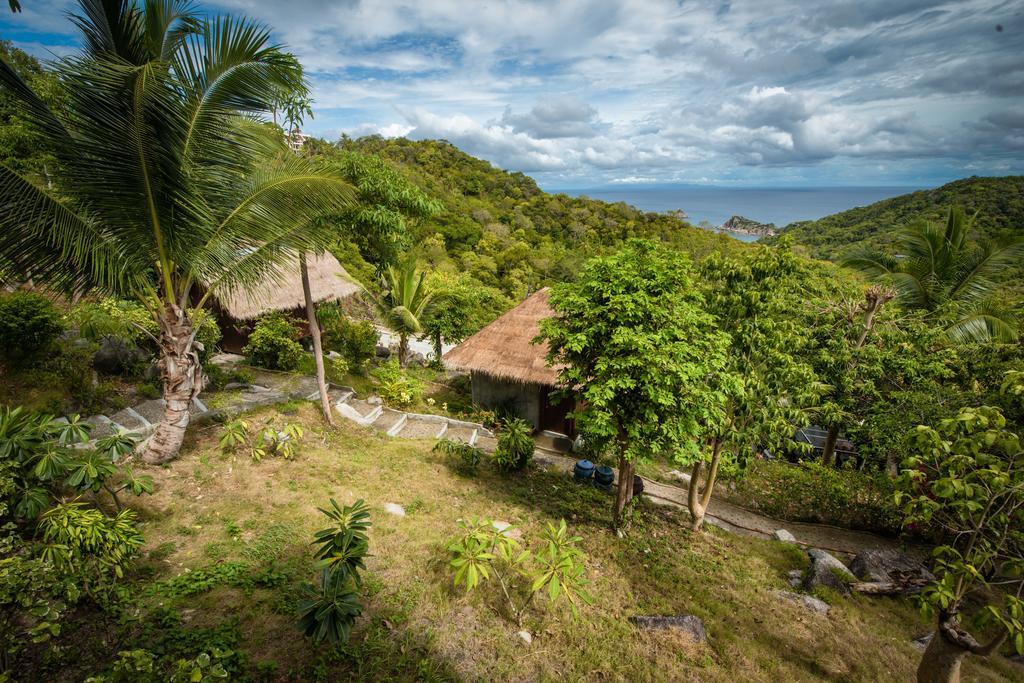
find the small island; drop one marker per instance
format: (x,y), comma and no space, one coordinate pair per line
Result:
(747,226)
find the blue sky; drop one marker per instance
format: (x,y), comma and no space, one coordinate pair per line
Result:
(586,93)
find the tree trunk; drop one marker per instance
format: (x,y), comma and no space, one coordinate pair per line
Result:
(437,350)
(941,661)
(891,465)
(182,375)
(318,349)
(403,350)
(624,490)
(698,500)
(828,453)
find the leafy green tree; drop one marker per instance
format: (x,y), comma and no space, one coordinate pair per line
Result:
(163,181)
(405,302)
(765,385)
(937,270)
(964,479)
(461,308)
(636,351)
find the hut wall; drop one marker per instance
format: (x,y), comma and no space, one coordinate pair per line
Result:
(522,399)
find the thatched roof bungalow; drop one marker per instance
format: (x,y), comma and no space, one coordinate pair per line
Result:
(509,373)
(237,311)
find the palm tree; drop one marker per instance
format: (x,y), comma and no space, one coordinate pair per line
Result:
(938,271)
(406,302)
(167,181)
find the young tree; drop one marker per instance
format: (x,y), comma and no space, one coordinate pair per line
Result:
(461,307)
(765,386)
(965,480)
(163,180)
(405,303)
(637,352)
(938,271)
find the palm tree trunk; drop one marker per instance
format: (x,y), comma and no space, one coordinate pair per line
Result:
(403,349)
(318,349)
(182,375)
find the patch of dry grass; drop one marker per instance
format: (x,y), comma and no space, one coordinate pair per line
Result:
(210,509)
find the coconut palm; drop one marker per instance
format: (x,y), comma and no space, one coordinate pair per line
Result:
(168,188)
(405,303)
(938,271)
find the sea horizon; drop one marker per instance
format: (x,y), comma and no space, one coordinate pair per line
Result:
(716,204)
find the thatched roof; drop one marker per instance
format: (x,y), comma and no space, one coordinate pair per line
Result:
(327,281)
(503,350)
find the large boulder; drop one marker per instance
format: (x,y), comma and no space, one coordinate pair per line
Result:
(827,571)
(890,566)
(809,601)
(117,357)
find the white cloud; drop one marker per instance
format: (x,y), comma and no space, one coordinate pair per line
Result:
(607,91)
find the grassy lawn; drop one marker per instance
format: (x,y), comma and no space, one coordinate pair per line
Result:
(227,546)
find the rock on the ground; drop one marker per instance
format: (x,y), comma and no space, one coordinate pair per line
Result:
(375,400)
(226,359)
(827,571)
(116,357)
(809,601)
(795,577)
(394,509)
(687,623)
(921,642)
(525,637)
(681,477)
(890,566)
(784,536)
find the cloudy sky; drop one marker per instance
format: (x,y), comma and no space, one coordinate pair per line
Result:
(586,93)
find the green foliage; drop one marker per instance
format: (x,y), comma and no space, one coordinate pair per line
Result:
(396,386)
(938,271)
(331,607)
(406,301)
(29,326)
(996,202)
(23,144)
(461,307)
(466,458)
(515,445)
(504,235)
(355,340)
(85,541)
(267,441)
(637,351)
(274,343)
(964,479)
(110,317)
(811,492)
(555,570)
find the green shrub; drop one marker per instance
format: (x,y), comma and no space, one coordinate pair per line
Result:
(330,609)
(209,334)
(810,492)
(515,445)
(29,326)
(355,340)
(110,317)
(466,458)
(273,344)
(148,390)
(397,387)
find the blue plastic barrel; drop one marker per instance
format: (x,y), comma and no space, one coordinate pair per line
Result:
(583,470)
(603,477)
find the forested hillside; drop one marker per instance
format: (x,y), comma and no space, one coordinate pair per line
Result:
(506,233)
(999,203)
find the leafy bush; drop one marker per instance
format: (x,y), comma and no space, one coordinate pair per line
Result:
(556,569)
(466,458)
(217,377)
(273,344)
(330,608)
(515,445)
(110,317)
(57,552)
(267,441)
(148,390)
(29,326)
(811,492)
(355,340)
(397,387)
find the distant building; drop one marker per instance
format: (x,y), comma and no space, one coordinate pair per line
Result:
(296,139)
(509,372)
(238,310)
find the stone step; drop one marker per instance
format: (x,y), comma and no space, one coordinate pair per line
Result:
(387,419)
(421,427)
(460,433)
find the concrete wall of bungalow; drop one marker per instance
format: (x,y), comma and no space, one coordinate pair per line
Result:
(531,402)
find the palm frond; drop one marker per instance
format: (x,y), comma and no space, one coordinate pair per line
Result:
(974,277)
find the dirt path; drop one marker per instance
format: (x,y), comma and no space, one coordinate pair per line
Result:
(740,520)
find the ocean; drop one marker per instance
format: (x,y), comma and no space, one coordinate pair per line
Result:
(780,206)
